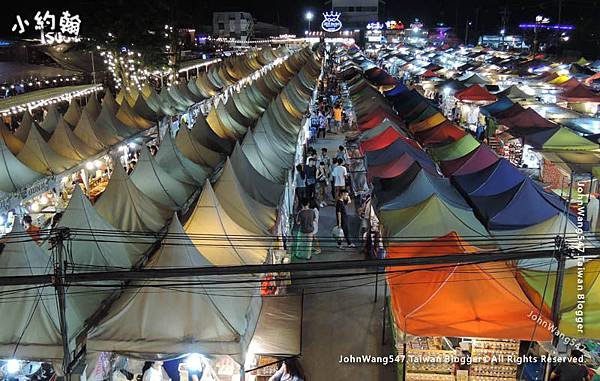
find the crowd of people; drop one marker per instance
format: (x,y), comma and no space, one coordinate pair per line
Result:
(323,179)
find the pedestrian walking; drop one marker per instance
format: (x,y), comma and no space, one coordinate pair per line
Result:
(322,183)
(316,244)
(305,219)
(339,174)
(299,184)
(342,218)
(310,172)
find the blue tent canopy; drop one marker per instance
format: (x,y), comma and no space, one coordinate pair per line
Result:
(502,104)
(398,89)
(519,207)
(393,152)
(490,181)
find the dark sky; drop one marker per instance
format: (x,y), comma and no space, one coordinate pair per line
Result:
(485,14)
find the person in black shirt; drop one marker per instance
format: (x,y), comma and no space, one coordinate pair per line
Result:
(574,370)
(342,217)
(311,179)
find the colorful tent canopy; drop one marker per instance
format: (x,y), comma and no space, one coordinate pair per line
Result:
(399,166)
(526,120)
(580,93)
(384,139)
(475,93)
(433,217)
(421,299)
(454,150)
(442,134)
(559,138)
(478,159)
(413,187)
(503,103)
(394,151)
(428,123)
(513,92)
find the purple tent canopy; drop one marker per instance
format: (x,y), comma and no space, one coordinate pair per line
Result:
(482,157)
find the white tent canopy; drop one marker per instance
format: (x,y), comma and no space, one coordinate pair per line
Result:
(219,237)
(154,320)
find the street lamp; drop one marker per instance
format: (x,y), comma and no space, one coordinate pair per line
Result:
(502,33)
(469,23)
(308,16)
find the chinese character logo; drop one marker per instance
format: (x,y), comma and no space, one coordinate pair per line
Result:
(331,22)
(46,23)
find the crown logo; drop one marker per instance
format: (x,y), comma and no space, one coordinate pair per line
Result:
(331,21)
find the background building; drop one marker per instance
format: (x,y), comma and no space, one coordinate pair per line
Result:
(356,13)
(237,25)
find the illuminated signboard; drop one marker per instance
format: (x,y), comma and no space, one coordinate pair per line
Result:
(331,22)
(68,26)
(388,25)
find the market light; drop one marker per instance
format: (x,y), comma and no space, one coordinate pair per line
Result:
(13,366)
(43,200)
(89,165)
(35,207)
(309,15)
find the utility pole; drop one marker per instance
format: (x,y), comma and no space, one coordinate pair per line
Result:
(559,19)
(58,239)
(504,14)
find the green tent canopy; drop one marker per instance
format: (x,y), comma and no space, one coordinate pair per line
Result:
(456,149)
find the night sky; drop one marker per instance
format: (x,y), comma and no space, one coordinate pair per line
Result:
(485,14)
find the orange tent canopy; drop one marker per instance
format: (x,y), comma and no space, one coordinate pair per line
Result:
(475,300)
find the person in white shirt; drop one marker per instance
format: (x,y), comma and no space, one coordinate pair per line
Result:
(339,174)
(156,372)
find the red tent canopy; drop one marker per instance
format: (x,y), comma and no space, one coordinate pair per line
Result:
(526,119)
(475,300)
(475,93)
(444,133)
(429,74)
(397,167)
(580,93)
(377,118)
(384,139)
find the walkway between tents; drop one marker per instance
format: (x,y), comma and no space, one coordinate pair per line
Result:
(340,316)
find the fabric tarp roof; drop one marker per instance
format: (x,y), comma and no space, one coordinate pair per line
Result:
(503,103)
(475,93)
(39,337)
(442,134)
(421,299)
(177,165)
(158,184)
(559,138)
(399,166)
(38,155)
(194,150)
(480,158)
(51,119)
(67,144)
(85,130)
(412,188)
(209,222)
(426,124)
(14,174)
(384,139)
(527,119)
(248,213)
(459,148)
(580,93)
(73,113)
(125,207)
(204,135)
(394,151)
(136,322)
(513,92)
(430,219)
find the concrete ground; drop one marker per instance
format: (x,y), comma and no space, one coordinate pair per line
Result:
(340,315)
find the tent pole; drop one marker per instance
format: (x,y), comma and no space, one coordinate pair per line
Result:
(59,277)
(242,373)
